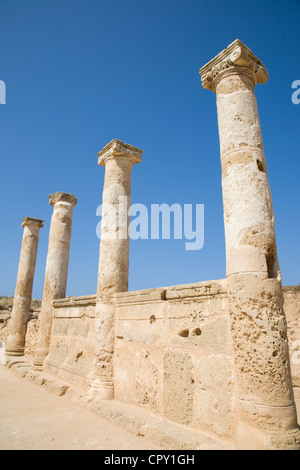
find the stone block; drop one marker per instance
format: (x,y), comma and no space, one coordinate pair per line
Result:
(147,380)
(178,386)
(215,393)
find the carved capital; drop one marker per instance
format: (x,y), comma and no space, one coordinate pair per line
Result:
(116,149)
(235,59)
(64,197)
(31,221)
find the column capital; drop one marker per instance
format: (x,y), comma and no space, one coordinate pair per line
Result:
(31,221)
(62,197)
(117,148)
(235,59)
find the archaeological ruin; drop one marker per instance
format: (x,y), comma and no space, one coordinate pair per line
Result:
(217,361)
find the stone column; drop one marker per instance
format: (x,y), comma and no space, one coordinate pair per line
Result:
(57,264)
(118,159)
(267,414)
(22,300)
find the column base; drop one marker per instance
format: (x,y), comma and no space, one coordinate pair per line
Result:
(39,359)
(250,437)
(38,367)
(267,427)
(14,351)
(38,364)
(98,390)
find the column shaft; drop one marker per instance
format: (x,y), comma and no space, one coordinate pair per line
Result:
(56,268)
(23,292)
(267,414)
(248,210)
(118,159)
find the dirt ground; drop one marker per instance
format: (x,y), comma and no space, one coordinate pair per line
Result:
(32,418)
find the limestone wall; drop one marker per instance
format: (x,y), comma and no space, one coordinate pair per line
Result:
(173,354)
(72,340)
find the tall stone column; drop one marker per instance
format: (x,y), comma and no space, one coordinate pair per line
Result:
(118,159)
(267,414)
(57,264)
(22,300)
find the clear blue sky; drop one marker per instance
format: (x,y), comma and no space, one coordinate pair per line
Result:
(82,72)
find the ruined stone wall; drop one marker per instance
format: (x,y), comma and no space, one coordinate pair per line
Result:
(72,339)
(173,354)
(174,357)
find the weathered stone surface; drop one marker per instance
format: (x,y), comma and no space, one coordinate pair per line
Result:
(140,316)
(178,387)
(259,332)
(204,289)
(152,327)
(125,370)
(147,381)
(140,296)
(215,393)
(292,312)
(72,342)
(52,384)
(211,335)
(165,433)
